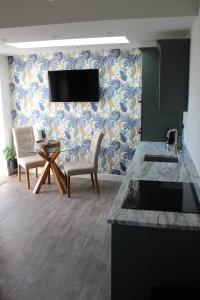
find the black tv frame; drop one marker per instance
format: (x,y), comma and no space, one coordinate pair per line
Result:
(74,85)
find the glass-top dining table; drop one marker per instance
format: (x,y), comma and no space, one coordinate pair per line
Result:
(49,150)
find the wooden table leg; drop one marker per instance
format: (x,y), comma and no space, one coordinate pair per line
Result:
(51,165)
(60,172)
(59,181)
(42,178)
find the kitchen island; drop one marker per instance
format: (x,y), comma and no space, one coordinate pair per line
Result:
(152,249)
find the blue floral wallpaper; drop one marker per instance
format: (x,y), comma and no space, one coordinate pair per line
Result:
(117,114)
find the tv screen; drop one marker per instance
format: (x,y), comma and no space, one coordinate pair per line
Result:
(74,85)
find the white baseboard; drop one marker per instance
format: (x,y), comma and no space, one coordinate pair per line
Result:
(106,177)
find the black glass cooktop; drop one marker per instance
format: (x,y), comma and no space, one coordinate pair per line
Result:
(162,196)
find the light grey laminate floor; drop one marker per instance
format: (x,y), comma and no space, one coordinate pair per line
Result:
(52,247)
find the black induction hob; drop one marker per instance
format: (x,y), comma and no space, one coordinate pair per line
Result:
(162,196)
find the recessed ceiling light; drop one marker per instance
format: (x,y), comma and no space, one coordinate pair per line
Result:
(71,42)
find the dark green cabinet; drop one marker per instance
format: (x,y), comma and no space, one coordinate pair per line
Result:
(150,94)
(144,258)
(164,88)
(174,74)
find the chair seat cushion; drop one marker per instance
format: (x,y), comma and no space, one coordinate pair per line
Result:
(78,168)
(32,161)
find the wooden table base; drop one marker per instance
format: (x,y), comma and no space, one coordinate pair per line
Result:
(51,165)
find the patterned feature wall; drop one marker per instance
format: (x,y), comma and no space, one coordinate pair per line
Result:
(117,114)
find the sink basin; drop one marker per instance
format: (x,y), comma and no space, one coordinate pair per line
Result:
(161,158)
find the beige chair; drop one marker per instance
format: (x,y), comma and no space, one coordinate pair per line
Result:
(24,139)
(88,166)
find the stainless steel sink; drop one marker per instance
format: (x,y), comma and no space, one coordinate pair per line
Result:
(161,158)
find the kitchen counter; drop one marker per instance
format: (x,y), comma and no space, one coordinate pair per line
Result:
(183,171)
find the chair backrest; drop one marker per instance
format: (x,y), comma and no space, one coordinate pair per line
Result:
(23,139)
(94,148)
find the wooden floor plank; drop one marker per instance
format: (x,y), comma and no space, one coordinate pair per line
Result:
(54,247)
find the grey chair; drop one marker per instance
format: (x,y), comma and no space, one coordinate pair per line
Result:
(87,166)
(24,139)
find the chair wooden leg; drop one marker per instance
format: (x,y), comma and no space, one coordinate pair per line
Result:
(96,182)
(65,180)
(36,172)
(49,178)
(28,179)
(68,186)
(19,172)
(92,178)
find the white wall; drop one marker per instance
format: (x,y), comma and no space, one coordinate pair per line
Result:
(5,112)
(192,117)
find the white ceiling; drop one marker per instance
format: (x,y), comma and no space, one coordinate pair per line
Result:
(140,32)
(141,21)
(17,13)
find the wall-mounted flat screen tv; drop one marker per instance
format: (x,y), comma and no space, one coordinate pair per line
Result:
(74,85)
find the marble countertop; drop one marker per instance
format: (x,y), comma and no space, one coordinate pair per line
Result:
(183,171)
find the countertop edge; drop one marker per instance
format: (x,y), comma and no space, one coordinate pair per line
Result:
(185,171)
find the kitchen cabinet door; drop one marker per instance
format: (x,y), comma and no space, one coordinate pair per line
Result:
(174,74)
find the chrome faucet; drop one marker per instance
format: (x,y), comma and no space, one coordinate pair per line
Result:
(174,138)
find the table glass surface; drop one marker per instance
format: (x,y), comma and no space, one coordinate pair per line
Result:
(51,146)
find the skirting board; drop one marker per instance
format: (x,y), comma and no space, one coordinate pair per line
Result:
(106,177)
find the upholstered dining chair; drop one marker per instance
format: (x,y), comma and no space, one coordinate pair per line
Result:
(24,138)
(87,166)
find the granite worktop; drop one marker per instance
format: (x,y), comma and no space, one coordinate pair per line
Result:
(183,171)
